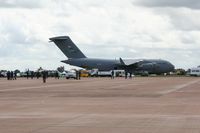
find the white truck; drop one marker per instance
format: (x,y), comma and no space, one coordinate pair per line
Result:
(96,72)
(68,74)
(195,71)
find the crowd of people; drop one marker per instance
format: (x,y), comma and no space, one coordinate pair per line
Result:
(11,75)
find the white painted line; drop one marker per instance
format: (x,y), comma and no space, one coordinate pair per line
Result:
(178,87)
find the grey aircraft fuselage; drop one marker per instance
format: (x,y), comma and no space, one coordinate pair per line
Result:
(152,66)
(77,58)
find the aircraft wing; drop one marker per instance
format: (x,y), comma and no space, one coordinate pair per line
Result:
(130,62)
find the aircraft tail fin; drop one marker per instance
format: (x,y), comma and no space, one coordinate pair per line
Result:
(66,45)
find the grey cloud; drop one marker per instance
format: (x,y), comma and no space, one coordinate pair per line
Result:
(178,56)
(188,39)
(193,4)
(21,4)
(99,32)
(185,20)
(16,40)
(182,19)
(61,28)
(16,34)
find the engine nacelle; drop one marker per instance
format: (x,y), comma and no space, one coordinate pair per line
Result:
(147,65)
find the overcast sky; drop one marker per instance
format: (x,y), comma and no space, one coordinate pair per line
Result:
(160,29)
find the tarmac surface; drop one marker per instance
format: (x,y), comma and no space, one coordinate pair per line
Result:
(101,105)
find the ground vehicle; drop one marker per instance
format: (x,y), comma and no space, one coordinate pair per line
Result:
(117,73)
(70,74)
(195,71)
(84,73)
(104,73)
(3,73)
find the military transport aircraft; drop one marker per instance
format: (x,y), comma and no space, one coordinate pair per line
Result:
(77,58)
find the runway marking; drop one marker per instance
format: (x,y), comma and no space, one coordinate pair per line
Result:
(35,87)
(178,87)
(59,85)
(93,115)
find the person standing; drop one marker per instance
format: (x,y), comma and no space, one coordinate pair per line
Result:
(32,74)
(44,76)
(56,75)
(11,75)
(8,75)
(76,74)
(126,74)
(130,76)
(27,74)
(112,74)
(38,74)
(79,74)
(15,75)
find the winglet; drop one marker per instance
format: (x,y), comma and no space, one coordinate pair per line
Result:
(121,61)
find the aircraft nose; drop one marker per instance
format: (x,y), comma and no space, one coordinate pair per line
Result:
(172,67)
